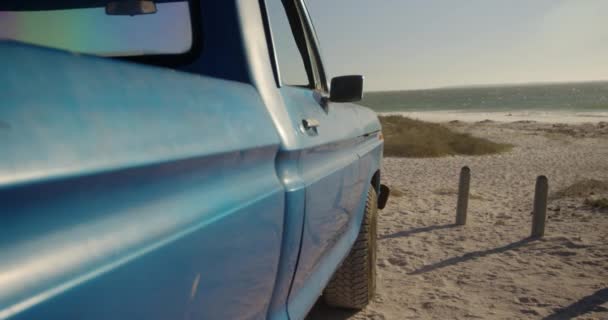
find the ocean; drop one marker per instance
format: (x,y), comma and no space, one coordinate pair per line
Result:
(584,98)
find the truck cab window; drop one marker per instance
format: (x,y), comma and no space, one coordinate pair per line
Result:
(289,56)
(103,28)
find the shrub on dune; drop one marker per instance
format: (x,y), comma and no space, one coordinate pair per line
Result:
(405,137)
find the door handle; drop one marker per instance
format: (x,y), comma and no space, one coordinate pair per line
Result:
(310,124)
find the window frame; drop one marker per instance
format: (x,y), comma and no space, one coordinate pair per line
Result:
(305,38)
(314,47)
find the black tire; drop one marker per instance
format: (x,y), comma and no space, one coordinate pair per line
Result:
(354,284)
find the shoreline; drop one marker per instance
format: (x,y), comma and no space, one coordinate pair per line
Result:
(567,117)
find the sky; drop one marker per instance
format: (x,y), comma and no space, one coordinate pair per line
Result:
(416,44)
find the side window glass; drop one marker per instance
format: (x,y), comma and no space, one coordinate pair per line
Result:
(291,64)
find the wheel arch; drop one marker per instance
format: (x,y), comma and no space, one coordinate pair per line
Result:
(376,181)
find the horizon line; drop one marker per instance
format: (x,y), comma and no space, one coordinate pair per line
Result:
(490,85)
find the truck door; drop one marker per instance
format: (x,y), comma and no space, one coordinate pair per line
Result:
(326,138)
(133,192)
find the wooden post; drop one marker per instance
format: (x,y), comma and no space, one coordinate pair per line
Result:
(539,214)
(463,196)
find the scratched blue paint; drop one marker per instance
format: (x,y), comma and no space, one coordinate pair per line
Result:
(305,290)
(288,170)
(119,184)
(329,167)
(74,108)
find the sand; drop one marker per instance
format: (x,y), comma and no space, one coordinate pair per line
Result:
(489,269)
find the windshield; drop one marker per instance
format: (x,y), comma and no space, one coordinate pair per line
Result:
(109,29)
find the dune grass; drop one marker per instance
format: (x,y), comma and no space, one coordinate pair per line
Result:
(582,188)
(599,203)
(410,138)
(593,191)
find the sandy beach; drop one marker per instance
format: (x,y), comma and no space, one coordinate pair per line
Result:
(489,269)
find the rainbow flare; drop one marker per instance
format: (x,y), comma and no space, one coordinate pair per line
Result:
(91,31)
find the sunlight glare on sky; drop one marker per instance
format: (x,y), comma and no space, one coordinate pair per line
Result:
(411,44)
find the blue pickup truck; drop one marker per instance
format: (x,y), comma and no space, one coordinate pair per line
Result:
(180,160)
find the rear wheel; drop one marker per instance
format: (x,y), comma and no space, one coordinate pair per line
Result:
(354,283)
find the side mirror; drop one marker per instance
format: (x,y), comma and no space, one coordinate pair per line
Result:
(346,89)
